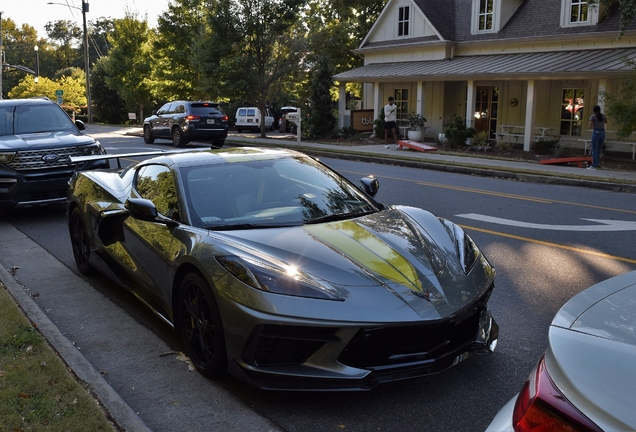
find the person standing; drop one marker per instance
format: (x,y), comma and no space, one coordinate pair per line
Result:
(597,124)
(390,117)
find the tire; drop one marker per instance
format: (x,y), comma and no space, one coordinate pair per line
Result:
(239,130)
(218,143)
(148,138)
(178,140)
(80,243)
(200,326)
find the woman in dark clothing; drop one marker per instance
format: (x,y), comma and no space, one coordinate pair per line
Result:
(597,124)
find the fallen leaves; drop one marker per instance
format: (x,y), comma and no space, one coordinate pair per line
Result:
(184,358)
(14,270)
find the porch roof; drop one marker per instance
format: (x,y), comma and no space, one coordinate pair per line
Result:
(580,64)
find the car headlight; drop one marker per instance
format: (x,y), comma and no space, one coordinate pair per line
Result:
(92,149)
(6,157)
(274,279)
(465,248)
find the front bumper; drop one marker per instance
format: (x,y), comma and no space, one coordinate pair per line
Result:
(330,367)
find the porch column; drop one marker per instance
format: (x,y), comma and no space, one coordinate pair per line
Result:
(602,88)
(342,104)
(470,103)
(377,103)
(529,124)
(419,108)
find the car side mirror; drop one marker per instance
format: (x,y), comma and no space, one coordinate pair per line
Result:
(370,185)
(80,124)
(144,209)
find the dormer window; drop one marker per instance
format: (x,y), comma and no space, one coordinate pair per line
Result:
(403,20)
(485,15)
(579,12)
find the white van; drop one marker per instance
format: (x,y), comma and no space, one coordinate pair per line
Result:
(250,118)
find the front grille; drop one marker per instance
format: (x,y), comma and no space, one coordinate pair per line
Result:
(400,345)
(284,345)
(25,160)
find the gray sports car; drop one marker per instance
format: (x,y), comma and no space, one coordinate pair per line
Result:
(277,269)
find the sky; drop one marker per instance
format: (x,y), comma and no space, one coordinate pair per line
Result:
(37,12)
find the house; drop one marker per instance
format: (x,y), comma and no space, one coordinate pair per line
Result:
(522,70)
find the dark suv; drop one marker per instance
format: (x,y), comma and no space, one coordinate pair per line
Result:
(37,139)
(184,121)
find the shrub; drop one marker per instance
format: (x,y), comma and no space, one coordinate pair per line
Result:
(481,139)
(545,147)
(456,131)
(416,121)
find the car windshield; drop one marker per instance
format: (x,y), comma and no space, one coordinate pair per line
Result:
(26,119)
(268,193)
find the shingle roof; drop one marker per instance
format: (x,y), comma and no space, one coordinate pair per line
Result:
(571,64)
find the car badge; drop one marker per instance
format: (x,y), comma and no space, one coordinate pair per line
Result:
(50,158)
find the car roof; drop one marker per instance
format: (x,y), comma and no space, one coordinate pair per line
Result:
(29,101)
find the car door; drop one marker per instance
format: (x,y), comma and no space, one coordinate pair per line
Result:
(159,122)
(151,246)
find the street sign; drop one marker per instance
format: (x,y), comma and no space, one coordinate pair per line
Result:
(59,93)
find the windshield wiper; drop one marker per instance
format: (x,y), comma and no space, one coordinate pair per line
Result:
(338,216)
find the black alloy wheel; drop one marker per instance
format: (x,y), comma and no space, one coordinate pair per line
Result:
(148,138)
(80,243)
(177,138)
(199,323)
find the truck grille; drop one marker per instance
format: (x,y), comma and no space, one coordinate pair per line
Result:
(26,160)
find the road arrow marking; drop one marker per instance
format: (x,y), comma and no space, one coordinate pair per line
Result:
(603,224)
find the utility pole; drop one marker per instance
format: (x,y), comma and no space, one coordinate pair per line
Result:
(87,70)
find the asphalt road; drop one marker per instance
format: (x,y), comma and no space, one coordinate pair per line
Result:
(543,246)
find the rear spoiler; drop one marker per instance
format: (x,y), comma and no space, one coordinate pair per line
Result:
(76,160)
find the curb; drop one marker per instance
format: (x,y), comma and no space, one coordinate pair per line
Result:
(117,410)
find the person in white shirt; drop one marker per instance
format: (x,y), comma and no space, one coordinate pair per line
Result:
(390,116)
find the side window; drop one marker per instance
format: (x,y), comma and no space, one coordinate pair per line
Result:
(180,109)
(156,183)
(164,109)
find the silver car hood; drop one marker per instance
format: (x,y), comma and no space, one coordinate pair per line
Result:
(388,251)
(592,351)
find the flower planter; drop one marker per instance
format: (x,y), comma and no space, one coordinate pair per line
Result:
(415,135)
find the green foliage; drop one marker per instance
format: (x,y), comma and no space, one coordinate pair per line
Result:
(416,120)
(378,125)
(128,66)
(481,139)
(456,132)
(64,34)
(545,147)
(322,121)
(74,90)
(621,106)
(109,106)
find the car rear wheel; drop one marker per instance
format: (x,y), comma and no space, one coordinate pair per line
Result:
(148,138)
(200,326)
(80,242)
(239,130)
(178,139)
(218,143)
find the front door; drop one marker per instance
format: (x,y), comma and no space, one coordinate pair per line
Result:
(486,109)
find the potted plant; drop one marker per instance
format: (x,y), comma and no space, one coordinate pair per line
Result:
(416,122)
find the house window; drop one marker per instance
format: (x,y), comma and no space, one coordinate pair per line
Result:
(403,20)
(572,111)
(485,14)
(578,11)
(401,97)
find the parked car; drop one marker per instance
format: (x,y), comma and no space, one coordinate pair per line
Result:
(37,138)
(249,118)
(275,268)
(185,121)
(288,126)
(586,380)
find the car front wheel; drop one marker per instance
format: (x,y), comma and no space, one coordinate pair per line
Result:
(148,138)
(80,242)
(200,326)
(178,139)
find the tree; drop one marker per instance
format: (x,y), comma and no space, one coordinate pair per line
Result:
(64,33)
(109,106)
(128,65)
(322,121)
(248,49)
(175,73)
(73,87)
(626,9)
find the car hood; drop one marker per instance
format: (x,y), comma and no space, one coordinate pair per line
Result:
(43,139)
(388,250)
(592,350)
